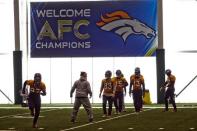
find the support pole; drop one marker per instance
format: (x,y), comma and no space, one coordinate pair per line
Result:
(160,53)
(160,62)
(17,56)
(17,61)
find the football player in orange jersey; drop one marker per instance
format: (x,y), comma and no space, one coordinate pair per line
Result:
(37,88)
(123,101)
(137,87)
(108,89)
(169,92)
(120,84)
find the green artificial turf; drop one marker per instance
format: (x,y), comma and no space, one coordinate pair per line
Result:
(59,119)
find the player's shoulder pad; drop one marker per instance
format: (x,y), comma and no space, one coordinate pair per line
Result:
(43,85)
(172,77)
(29,82)
(142,76)
(132,76)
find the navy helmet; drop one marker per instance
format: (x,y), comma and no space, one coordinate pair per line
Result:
(108,74)
(137,71)
(118,73)
(168,72)
(37,77)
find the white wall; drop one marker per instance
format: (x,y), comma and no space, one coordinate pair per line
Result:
(180,34)
(60,73)
(6,48)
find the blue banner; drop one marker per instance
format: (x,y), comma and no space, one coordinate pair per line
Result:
(94,28)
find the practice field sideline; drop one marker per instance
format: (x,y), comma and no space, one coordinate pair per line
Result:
(58,119)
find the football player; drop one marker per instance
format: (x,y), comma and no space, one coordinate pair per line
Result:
(108,89)
(137,87)
(37,88)
(169,90)
(123,101)
(120,84)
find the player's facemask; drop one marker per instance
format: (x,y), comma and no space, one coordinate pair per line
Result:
(37,80)
(137,74)
(118,75)
(84,77)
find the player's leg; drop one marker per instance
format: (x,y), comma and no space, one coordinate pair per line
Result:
(110,102)
(86,104)
(120,98)
(116,102)
(31,104)
(37,102)
(166,97)
(140,100)
(123,104)
(37,113)
(135,99)
(77,104)
(172,98)
(104,106)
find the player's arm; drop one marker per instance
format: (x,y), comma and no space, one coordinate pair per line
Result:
(164,85)
(43,93)
(114,83)
(24,86)
(130,87)
(73,89)
(114,86)
(89,89)
(125,90)
(101,89)
(125,85)
(143,85)
(143,88)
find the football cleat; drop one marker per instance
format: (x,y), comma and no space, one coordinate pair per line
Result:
(104,115)
(91,120)
(72,120)
(174,110)
(35,126)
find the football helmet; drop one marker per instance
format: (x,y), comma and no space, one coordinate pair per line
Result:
(108,74)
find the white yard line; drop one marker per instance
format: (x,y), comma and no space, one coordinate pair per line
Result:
(7,116)
(7,130)
(96,122)
(99,107)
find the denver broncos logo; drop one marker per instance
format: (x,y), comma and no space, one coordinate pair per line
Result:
(124,25)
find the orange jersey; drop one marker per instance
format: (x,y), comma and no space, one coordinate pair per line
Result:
(137,82)
(108,87)
(170,81)
(120,83)
(34,88)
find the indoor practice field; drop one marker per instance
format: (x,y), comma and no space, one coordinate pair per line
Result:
(135,57)
(57,118)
